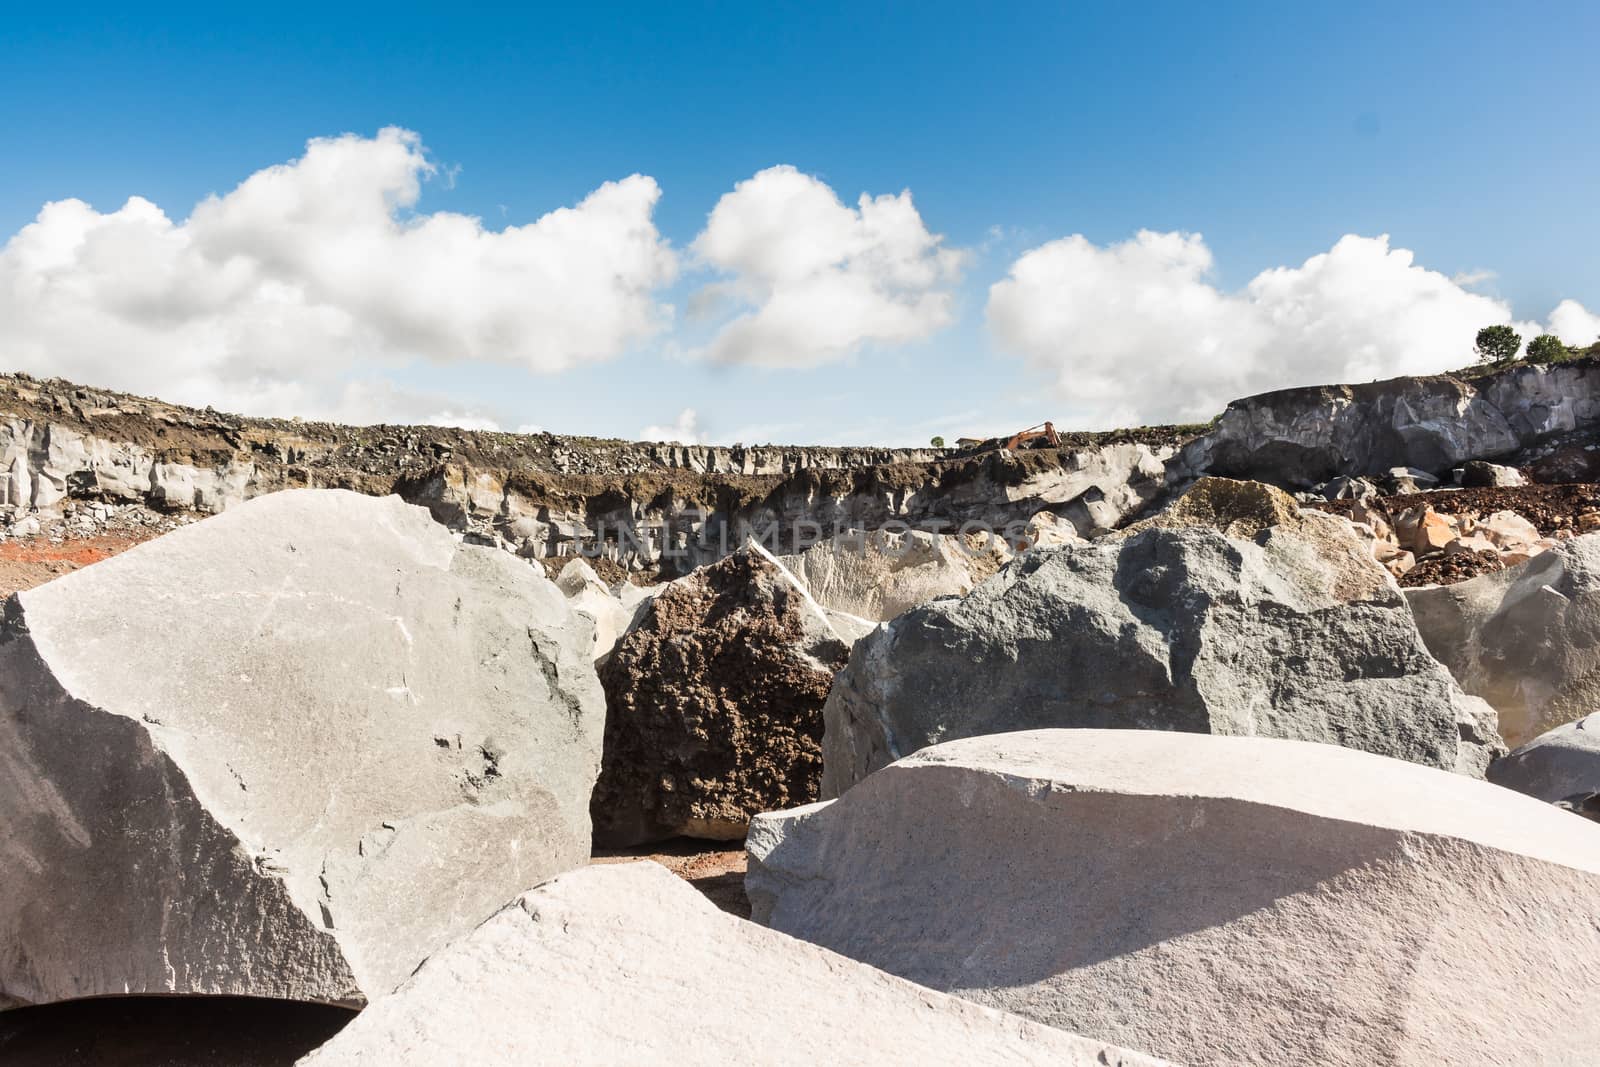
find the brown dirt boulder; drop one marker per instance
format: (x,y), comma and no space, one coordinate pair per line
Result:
(714,705)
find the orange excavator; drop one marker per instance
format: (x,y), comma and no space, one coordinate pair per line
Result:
(1040,436)
(1045,432)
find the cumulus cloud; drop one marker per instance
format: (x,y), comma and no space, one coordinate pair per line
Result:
(294,292)
(685,430)
(1137,331)
(1575,324)
(817,279)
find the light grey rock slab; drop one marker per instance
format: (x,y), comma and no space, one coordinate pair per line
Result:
(1213,900)
(288,751)
(627,964)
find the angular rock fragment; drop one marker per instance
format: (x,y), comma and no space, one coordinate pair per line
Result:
(879,575)
(1297,632)
(1479,473)
(1212,900)
(714,704)
(610,613)
(285,752)
(1556,766)
(626,964)
(1526,639)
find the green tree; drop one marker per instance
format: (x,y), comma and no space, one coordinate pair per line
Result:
(1497,344)
(937,442)
(1547,348)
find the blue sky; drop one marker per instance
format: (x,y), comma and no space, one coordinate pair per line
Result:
(1469,133)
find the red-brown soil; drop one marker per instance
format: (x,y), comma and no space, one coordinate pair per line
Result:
(716,868)
(31,561)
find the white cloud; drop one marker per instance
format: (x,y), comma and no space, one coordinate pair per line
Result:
(819,279)
(295,291)
(1136,331)
(685,430)
(1575,324)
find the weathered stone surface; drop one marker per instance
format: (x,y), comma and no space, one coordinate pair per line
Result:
(1298,633)
(285,752)
(1526,639)
(883,574)
(658,508)
(1303,437)
(626,964)
(714,705)
(1557,765)
(1229,506)
(1212,900)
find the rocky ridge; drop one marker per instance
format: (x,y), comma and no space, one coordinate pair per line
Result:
(656,508)
(664,509)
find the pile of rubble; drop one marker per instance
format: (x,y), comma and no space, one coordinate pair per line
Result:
(1491,519)
(1419,544)
(77,520)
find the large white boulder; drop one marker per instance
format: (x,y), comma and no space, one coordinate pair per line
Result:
(1213,900)
(1294,631)
(627,964)
(1526,639)
(285,752)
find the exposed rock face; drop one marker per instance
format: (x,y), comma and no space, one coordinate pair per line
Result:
(1303,437)
(1298,633)
(626,964)
(883,574)
(1559,765)
(715,705)
(1526,639)
(650,507)
(285,752)
(1211,900)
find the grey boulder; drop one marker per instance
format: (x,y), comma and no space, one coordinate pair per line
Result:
(1526,639)
(1212,900)
(1561,766)
(1478,474)
(627,964)
(1296,632)
(285,752)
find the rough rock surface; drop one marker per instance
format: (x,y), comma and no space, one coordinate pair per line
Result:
(1298,633)
(880,575)
(1304,437)
(714,705)
(626,964)
(1230,506)
(1211,900)
(1557,765)
(1526,639)
(650,507)
(285,752)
